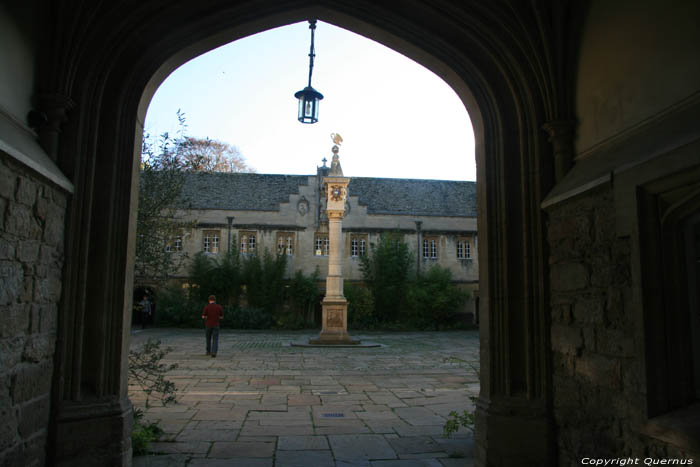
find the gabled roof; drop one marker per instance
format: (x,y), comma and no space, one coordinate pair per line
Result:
(265,192)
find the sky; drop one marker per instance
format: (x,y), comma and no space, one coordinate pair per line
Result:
(397,119)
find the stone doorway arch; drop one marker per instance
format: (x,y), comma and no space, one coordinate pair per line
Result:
(103,62)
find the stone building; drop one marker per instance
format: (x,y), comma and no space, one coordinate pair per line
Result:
(286,214)
(585,116)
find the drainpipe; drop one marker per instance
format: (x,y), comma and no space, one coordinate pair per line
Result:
(230,221)
(420,244)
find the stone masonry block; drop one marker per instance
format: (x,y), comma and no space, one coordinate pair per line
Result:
(589,339)
(35,449)
(7,249)
(614,305)
(614,342)
(33,416)
(28,289)
(49,316)
(8,426)
(47,290)
(3,208)
(15,320)
(7,183)
(10,353)
(31,381)
(603,275)
(600,370)
(589,310)
(59,199)
(38,347)
(47,254)
(41,271)
(41,207)
(53,227)
(11,282)
(20,221)
(566,394)
(28,252)
(34,318)
(577,225)
(26,191)
(568,277)
(566,339)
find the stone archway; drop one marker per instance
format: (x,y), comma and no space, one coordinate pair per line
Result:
(105,62)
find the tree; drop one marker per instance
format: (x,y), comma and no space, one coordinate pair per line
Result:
(208,155)
(158,222)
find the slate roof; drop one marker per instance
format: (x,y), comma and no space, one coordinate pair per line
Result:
(241,191)
(403,196)
(265,192)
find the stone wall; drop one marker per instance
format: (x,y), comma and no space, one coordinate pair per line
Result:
(599,390)
(31,260)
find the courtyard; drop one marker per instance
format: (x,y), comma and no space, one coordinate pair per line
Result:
(265,403)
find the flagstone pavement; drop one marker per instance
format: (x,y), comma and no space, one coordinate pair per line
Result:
(264,403)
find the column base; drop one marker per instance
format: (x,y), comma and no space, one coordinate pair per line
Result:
(513,432)
(95,433)
(334,338)
(334,330)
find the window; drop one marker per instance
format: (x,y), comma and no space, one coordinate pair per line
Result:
(248,242)
(464,248)
(211,241)
(175,245)
(430,249)
(321,244)
(285,243)
(358,245)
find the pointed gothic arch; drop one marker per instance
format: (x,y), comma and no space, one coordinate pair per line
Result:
(103,66)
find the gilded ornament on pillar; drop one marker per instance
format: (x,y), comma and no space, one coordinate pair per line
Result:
(337,192)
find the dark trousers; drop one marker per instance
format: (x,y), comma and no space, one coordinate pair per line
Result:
(212,339)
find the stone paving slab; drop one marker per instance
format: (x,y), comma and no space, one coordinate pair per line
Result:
(262,403)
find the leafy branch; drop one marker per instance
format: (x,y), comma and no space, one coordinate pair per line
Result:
(147,371)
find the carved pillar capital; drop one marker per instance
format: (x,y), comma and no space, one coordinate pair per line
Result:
(55,108)
(561,135)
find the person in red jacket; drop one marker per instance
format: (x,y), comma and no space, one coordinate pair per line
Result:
(212,313)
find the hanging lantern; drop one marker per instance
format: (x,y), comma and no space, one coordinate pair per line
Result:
(309,97)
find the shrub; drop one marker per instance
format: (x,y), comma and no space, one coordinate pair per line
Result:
(386,270)
(200,272)
(175,309)
(225,279)
(143,433)
(304,294)
(466,420)
(291,320)
(361,313)
(264,280)
(247,318)
(216,276)
(432,300)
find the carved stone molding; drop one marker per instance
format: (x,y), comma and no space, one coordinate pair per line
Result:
(55,107)
(303,206)
(561,135)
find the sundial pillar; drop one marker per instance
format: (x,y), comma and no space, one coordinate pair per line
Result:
(334,328)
